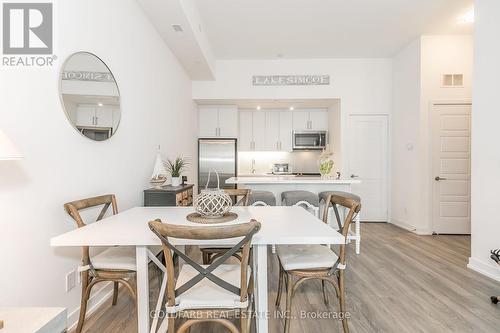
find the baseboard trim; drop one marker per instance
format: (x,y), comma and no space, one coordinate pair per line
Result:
(96,300)
(484,268)
(402,225)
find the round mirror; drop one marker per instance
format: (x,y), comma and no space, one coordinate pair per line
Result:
(90,96)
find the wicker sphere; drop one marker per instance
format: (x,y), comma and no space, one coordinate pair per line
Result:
(213,203)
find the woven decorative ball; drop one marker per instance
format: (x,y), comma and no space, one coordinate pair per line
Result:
(213,203)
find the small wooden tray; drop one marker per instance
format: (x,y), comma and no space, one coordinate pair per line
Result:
(198,218)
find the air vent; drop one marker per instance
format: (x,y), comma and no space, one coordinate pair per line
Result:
(453,80)
(177,28)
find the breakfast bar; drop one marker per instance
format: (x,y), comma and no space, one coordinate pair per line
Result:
(280,184)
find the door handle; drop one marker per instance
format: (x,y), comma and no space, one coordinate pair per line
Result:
(354,176)
(439,178)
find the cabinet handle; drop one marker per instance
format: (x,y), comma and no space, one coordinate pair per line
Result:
(96,120)
(280,145)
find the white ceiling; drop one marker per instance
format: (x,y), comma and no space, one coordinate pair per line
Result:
(265,29)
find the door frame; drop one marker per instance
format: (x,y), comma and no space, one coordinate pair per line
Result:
(347,166)
(430,165)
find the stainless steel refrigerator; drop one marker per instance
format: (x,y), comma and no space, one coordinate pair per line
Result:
(220,155)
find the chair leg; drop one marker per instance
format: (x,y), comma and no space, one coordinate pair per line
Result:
(171,323)
(358,234)
(115,293)
(83,301)
(325,295)
(244,322)
(289,296)
(206,258)
(280,287)
(345,325)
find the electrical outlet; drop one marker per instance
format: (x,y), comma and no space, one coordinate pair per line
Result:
(70,280)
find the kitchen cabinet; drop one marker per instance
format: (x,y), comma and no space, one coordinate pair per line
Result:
(252,131)
(218,121)
(94,116)
(310,120)
(278,131)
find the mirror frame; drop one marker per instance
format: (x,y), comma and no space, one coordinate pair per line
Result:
(61,99)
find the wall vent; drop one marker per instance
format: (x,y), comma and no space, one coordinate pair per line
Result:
(177,28)
(452,80)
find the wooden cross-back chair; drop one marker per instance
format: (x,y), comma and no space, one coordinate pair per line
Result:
(116,264)
(208,293)
(307,262)
(240,197)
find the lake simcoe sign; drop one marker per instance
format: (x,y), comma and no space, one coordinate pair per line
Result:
(291,80)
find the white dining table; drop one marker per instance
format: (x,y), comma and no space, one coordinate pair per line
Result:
(280,225)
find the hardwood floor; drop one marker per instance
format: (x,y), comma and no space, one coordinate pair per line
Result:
(401,282)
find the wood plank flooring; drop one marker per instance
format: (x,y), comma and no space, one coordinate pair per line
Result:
(401,282)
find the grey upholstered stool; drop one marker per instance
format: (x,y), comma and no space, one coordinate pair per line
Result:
(305,199)
(262,198)
(353,235)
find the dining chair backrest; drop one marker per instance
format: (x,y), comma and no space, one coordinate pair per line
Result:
(73,208)
(353,206)
(239,196)
(245,230)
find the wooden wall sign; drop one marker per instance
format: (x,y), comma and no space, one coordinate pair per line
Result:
(291,80)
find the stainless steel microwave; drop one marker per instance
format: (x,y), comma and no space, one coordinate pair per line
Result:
(309,140)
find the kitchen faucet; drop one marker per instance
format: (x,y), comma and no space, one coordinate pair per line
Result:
(253,166)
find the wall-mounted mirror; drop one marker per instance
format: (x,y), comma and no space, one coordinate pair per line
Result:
(90,96)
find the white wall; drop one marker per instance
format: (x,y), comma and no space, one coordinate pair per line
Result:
(405,136)
(60,165)
(417,83)
(364,86)
(485,136)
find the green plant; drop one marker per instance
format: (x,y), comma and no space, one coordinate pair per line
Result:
(177,167)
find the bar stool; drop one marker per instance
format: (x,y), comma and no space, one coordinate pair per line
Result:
(262,198)
(305,199)
(352,235)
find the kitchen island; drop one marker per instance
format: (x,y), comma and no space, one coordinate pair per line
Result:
(279,184)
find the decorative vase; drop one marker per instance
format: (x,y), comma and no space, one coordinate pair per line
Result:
(326,163)
(176,181)
(213,202)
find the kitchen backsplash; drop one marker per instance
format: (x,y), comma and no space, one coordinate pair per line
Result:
(306,161)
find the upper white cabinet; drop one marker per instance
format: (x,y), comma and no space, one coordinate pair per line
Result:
(94,116)
(218,121)
(265,131)
(278,131)
(310,120)
(252,130)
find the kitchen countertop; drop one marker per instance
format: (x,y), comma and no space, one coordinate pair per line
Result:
(288,180)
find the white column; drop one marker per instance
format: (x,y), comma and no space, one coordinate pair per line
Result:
(141,257)
(260,277)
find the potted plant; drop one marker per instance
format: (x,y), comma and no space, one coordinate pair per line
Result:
(175,169)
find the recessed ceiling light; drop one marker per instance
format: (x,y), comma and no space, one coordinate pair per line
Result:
(468,17)
(177,28)
(258,107)
(100,104)
(291,108)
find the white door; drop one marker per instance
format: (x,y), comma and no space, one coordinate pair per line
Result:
(104,116)
(228,122)
(451,168)
(259,130)
(85,116)
(245,141)
(318,120)
(285,137)
(272,131)
(367,161)
(209,121)
(300,120)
